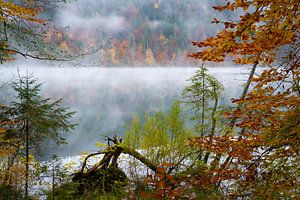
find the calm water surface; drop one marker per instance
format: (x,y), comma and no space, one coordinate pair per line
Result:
(105,99)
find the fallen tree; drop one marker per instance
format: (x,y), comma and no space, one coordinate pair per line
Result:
(111,155)
(105,174)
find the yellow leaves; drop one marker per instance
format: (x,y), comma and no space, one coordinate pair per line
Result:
(100,145)
(2,18)
(70,165)
(16,174)
(14,10)
(2,130)
(149,57)
(163,39)
(113,54)
(31,158)
(244,61)
(20,14)
(5,152)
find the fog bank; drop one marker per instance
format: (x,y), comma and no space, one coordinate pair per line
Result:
(106,98)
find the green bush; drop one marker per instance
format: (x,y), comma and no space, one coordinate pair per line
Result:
(9,193)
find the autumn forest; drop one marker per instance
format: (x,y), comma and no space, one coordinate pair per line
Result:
(149,99)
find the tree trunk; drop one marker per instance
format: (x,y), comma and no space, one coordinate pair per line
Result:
(27,160)
(245,91)
(53,181)
(243,96)
(111,156)
(140,157)
(213,126)
(27,144)
(203,105)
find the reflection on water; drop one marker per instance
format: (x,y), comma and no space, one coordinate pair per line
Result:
(106,98)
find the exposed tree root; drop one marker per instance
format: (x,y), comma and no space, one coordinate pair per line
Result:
(104,174)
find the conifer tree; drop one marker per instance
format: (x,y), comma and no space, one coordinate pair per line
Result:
(204,88)
(36,119)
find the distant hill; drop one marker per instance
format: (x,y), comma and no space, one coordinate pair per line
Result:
(137,32)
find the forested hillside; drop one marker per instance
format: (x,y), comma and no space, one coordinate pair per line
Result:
(135,32)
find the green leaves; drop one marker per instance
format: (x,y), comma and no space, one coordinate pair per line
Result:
(161,135)
(203,89)
(26,124)
(45,118)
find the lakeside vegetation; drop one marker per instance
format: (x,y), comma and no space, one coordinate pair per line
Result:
(249,151)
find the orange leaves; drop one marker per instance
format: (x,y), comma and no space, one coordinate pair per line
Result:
(244,61)
(228,6)
(164,185)
(222,39)
(234,147)
(15,16)
(14,10)
(163,56)
(271,109)
(225,174)
(160,170)
(260,31)
(267,119)
(229,25)
(207,55)
(234,5)
(215,47)
(165,164)
(226,24)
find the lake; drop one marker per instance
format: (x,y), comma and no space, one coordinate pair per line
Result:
(105,99)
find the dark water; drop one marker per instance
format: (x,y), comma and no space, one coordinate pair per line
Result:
(105,99)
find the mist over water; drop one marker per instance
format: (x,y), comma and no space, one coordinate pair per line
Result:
(105,99)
